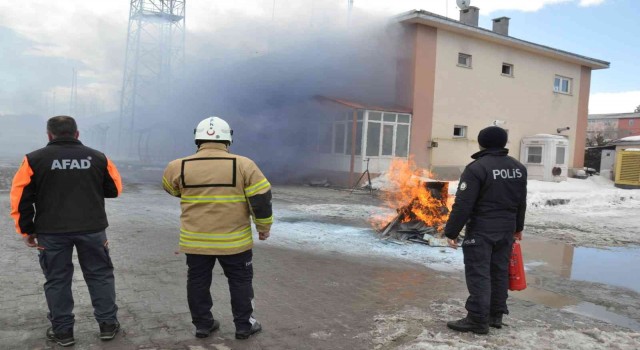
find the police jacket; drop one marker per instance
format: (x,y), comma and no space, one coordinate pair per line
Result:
(491,195)
(61,189)
(219,193)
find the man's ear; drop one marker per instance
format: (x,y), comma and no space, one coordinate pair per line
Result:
(77,135)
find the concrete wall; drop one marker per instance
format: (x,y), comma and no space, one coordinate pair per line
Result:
(422,92)
(475,97)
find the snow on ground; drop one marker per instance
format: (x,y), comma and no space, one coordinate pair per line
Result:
(420,328)
(362,242)
(590,212)
(630,138)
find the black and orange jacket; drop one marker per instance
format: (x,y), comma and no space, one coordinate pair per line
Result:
(61,189)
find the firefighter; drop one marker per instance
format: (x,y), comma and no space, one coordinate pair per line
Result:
(219,193)
(66,183)
(491,202)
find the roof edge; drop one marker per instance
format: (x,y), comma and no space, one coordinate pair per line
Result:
(417,16)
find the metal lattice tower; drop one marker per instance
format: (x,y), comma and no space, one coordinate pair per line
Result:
(154,58)
(73,96)
(350,9)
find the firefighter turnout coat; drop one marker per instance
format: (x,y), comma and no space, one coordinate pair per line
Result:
(219,193)
(61,189)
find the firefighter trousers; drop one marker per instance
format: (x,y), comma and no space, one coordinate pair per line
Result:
(486,268)
(55,252)
(238,269)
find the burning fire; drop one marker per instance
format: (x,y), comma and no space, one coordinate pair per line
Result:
(412,199)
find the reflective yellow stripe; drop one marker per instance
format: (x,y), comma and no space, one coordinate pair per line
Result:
(214,200)
(168,186)
(215,233)
(238,244)
(251,190)
(268,220)
(215,237)
(256,185)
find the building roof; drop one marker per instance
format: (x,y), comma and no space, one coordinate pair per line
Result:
(358,105)
(614,116)
(434,20)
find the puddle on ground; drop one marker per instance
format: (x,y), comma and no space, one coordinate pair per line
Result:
(574,305)
(601,313)
(610,266)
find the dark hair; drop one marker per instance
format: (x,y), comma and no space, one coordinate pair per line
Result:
(62,126)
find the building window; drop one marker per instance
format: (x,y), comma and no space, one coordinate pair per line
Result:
(464,60)
(631,122)
(560,155)
(459,131)
(562,85)
(534,154)
(507,69)
(388,134)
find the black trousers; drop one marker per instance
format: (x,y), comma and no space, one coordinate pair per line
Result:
(486,268)
(56,251)
(238,269)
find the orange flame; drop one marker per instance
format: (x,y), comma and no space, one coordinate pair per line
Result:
(410,197)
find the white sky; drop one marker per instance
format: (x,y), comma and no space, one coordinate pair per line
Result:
(94,31)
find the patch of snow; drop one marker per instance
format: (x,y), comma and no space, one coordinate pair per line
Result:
(322,237)
(630,138)
(424,328)
(589,212)
(345,211)
(632,149)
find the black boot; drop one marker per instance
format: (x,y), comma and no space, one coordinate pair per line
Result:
(205,332)
(255,328)
(468,325)
(62,339)
(108,331)
(495,321)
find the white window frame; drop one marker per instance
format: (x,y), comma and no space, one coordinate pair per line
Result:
(541,154)
(468,59)
(511,67)
(561,79)
(464,129)
(365,134)
(347,122)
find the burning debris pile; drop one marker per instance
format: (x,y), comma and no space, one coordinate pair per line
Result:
(421,204)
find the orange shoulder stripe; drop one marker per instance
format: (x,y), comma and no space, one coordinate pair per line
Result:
(115,175)
(21,180)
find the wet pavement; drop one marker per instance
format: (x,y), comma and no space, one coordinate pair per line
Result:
(307,298)
(613,267)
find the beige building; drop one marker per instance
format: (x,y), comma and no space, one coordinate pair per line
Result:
(455,78)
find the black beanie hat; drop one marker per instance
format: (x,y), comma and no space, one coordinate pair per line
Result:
(492,137)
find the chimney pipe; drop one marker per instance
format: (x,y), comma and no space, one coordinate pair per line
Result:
(501,25)
(470,16)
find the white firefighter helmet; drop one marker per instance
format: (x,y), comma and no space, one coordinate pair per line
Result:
(214,129)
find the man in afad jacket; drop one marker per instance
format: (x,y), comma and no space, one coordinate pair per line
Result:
(491,202)
(219,193)
(57,202)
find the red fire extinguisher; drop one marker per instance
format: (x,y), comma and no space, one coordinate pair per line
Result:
(517,279)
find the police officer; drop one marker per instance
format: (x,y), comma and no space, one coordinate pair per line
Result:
(491,202)
(219,193)
(57,202)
